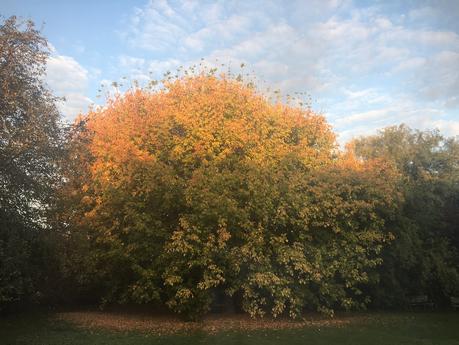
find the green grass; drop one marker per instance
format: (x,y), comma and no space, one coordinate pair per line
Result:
(388,329)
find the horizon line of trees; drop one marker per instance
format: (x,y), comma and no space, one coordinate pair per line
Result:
(200,187)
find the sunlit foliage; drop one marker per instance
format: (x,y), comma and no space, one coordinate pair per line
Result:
(203,185)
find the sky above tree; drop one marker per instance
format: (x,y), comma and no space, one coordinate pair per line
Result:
(365,64)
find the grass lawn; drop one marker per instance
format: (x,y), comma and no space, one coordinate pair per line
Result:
(370,329)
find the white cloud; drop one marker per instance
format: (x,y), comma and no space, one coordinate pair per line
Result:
(190,28)
(370,67)
(365,116)
(439,79)
(448,127)
(142,69)
(68,79)
(410,64)
(402,110)
(436,12)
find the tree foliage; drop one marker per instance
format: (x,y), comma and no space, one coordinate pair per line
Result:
(203,185)
(30,146)
(424,256)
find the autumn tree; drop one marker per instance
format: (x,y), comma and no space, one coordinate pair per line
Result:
(30,138)
(203,185)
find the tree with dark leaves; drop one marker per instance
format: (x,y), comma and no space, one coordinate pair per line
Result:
(30,149)
(423,259)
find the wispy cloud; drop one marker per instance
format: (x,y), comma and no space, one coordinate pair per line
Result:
(188,27)
(365,66)
(68,79)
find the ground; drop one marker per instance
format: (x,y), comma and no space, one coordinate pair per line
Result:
(75,328)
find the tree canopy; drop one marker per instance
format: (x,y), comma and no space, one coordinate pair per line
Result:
(30,148)
(424,257)
(204,185)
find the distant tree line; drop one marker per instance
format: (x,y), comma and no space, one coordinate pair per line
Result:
(200,186)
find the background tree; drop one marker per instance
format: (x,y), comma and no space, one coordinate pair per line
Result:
(424,256)
(30,147)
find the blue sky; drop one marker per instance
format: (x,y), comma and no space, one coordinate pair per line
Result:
(366,64)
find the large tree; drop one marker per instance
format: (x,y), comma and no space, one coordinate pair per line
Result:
(30,146)
(205,186)
(424,256)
